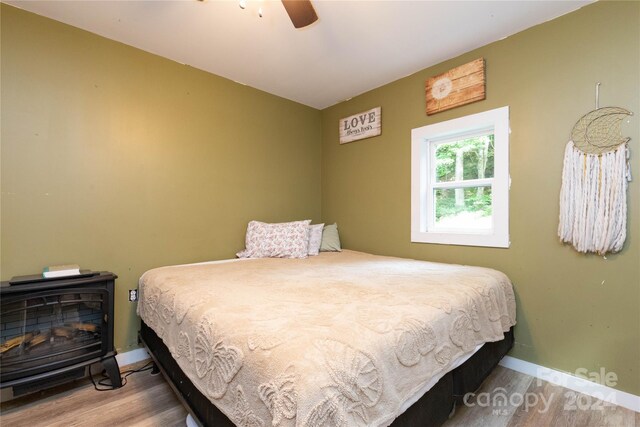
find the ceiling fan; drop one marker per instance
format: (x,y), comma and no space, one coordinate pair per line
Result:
(301,12)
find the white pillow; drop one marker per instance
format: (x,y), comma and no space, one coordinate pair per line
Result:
(282,240)
(315,238)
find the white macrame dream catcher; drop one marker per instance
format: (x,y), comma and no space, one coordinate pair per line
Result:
(596,172)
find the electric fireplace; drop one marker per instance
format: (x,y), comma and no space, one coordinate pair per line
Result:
(51,330)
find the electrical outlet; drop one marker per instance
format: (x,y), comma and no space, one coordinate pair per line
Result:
(133,295)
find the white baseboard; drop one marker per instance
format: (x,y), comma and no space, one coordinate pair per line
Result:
(572,382)
(132,356)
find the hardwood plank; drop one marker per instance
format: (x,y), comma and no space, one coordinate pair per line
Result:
(561,407)
(501,381)
(76,402)
(148,401)
(137,407)
(550,407)
(172,417)
(144,399)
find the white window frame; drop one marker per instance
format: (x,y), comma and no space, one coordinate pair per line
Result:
(424,141)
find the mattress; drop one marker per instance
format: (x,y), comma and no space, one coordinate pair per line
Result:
(337,339)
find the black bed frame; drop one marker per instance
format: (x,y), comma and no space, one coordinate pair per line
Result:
(432,409)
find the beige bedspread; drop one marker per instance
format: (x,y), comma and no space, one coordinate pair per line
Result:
(339,339)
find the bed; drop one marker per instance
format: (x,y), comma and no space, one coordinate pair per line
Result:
(340,339)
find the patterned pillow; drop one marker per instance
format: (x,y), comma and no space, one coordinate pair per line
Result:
(283,240)
(315,238)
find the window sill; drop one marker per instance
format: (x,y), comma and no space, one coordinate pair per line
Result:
(464,239)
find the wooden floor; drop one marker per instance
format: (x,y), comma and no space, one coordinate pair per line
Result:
(147,400)
(531,402)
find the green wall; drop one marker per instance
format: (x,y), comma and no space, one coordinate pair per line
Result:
(120,160)
(573,310)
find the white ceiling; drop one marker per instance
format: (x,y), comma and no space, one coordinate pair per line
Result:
(355,46)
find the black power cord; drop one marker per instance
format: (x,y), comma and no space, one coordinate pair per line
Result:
(105,382)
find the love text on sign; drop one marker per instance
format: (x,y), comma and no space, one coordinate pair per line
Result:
(361,125)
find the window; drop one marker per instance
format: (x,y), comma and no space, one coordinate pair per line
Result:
(460,181)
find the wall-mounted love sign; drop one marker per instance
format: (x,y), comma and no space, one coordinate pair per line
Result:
(361,125)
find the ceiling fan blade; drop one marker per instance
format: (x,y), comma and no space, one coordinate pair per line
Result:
(301,12)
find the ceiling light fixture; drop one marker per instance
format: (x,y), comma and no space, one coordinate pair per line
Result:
(301,12)
(243,6)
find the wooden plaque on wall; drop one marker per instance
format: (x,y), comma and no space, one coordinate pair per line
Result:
(459,86)
(361,125)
